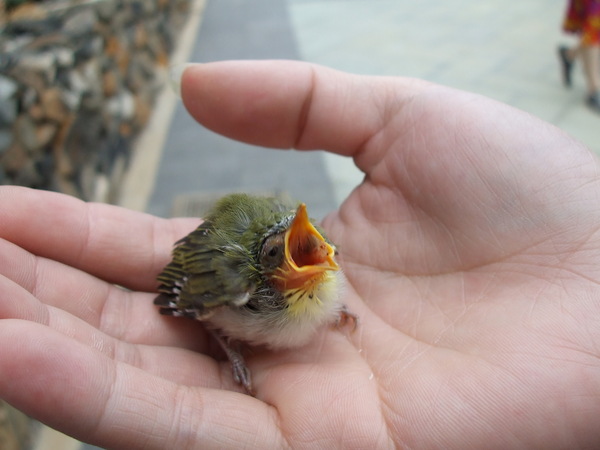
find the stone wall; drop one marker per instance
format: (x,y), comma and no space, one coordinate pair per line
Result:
(77,83)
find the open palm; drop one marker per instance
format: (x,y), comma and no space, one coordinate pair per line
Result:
(470,255)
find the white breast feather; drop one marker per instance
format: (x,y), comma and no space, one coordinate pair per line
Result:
(285,330)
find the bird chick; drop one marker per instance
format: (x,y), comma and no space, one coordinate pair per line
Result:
(256,271)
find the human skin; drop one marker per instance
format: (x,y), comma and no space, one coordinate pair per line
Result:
(470,253)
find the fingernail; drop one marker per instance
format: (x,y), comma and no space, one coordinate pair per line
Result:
(175,74)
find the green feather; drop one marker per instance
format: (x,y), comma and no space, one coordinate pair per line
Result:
(217,264)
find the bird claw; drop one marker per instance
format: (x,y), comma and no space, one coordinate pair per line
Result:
(241,373)
(345,317)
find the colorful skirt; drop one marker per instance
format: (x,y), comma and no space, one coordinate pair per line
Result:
(583,18)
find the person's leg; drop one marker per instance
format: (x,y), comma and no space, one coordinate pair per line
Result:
(567,56)
(590,56)
(574,52)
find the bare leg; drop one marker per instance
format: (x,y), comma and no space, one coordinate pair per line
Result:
(590,56)
(567,56)
(573,52)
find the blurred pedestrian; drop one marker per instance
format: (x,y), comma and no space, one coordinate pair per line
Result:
(583,18)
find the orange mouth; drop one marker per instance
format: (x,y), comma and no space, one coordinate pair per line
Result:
(307,254)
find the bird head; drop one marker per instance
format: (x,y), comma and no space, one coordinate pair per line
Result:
(298,256)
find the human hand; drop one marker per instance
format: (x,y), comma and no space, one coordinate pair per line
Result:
(469,252)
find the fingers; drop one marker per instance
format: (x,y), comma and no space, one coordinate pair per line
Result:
(32,284)
(83,393)
(114,244)
(291,104)
(168,351)
(117,312)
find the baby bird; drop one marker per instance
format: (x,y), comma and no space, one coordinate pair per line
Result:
(256,271)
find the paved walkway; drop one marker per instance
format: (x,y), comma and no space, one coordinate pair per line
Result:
(507,52)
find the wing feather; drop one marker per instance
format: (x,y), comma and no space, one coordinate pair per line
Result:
(206,272)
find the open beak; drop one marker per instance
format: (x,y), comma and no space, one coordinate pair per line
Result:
(307,254)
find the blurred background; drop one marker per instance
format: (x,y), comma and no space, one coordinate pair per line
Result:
(85,109)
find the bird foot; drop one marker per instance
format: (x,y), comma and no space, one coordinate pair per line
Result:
(346,317)
(241,373)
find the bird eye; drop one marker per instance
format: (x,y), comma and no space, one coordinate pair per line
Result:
(271,254)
